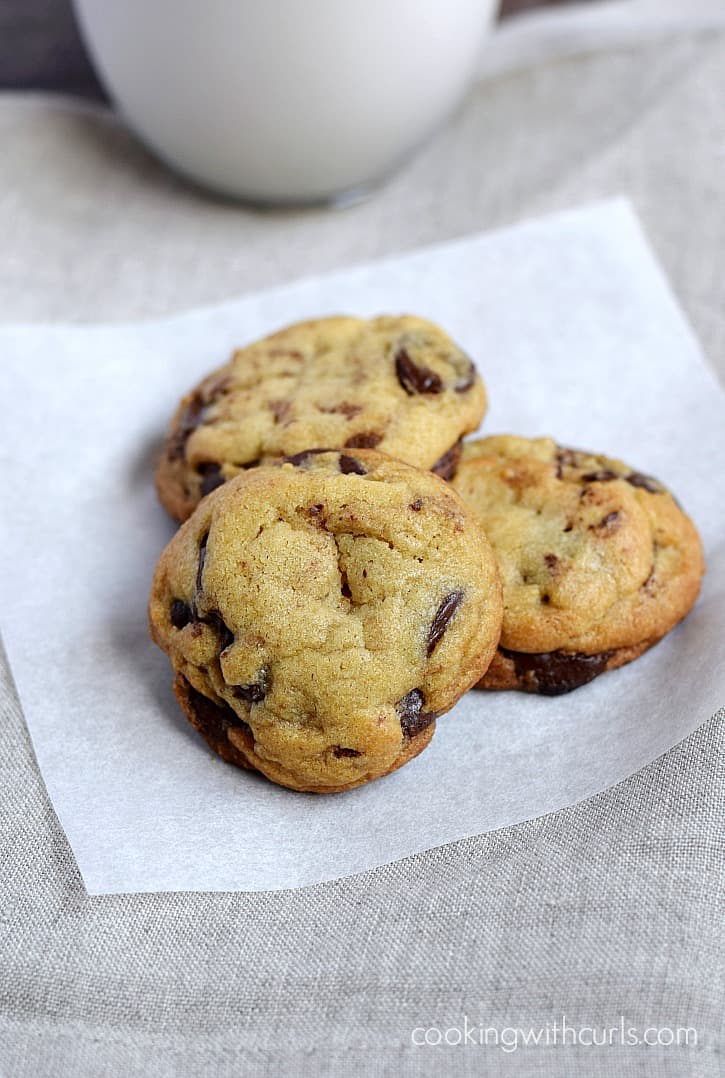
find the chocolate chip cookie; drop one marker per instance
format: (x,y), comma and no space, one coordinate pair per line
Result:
(320,614)
(396,384)
(598,561)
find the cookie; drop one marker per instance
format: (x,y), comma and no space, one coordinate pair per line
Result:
(396,384)
(320,614)
(598,561)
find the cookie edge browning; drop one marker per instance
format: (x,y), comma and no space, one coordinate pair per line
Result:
(245,757)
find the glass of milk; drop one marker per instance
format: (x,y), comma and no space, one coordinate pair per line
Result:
(285,101)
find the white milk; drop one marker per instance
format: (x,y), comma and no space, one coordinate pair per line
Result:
(285,100)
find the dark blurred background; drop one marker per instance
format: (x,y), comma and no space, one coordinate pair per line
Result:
(40,47)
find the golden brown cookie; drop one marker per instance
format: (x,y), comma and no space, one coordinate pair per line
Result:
(322,613)
(598,561)
(396,384)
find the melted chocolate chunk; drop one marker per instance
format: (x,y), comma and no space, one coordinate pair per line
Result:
(280,410)
(551,562)
(215,620)
(610,521)
(604,475)
(343,408)
(410,712)
(202,560)
(415,379)
(565,458)
(467,381)
(213,718)
(180,614)
(256,691)
(212,618)
(351,465)
(317,515)
(341,751)
(300,459)
(442,618)
(218,388)
(552,673)
(244,465)
(191,417)
(211,477)
(447,466)
(365,440)
(646,482)
(417,505)
(650,584)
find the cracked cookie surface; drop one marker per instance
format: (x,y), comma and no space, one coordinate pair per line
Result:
(598,561)
(397,384)
(321,613)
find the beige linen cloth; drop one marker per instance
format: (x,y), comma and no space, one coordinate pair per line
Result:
(610,909)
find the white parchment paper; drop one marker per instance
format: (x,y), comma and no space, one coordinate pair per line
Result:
(576,334)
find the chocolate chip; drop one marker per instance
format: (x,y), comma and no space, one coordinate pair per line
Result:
(280,410)
(442,618)
(256,691)
(467,381)
(343,408)
(366,440)
(191,417)
(650,584)
(417,505)
(645,482)
(341,751)
(212,719)
(552,673)
(552,562)
(316,513)
(300,459)
(351,465)
(180,614)
(215,620)
(604,475)
(202,560)
(212,477)
(212,618)
(410,712)
(245,465)
(565,458)
(447,466)
(415,379)
(608,522)
(213,391)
